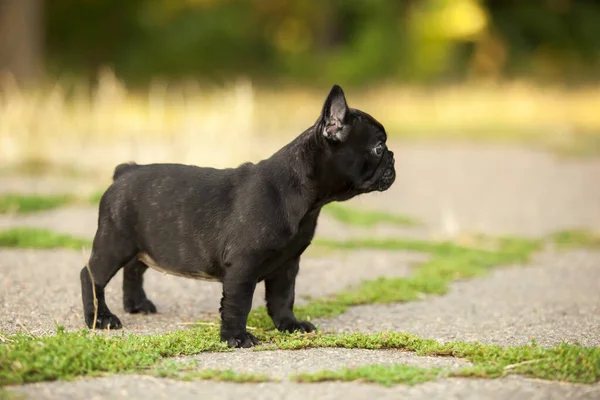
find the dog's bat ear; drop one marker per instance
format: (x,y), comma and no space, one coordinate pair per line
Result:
(334,114)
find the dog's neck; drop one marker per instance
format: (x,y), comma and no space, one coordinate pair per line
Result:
(304,159)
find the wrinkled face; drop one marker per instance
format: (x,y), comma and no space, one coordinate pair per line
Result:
(363,159)
(359,160)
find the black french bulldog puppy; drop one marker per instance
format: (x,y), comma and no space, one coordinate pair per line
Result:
(238,226)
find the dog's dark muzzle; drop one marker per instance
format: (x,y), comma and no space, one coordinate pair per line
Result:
(389,174)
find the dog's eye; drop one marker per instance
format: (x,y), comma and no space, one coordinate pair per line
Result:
(378,150)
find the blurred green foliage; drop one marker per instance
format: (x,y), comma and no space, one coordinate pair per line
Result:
(347,41)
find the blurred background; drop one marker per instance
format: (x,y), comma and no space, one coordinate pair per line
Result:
(86,84)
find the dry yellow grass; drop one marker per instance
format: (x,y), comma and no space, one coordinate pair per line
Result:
(69,125)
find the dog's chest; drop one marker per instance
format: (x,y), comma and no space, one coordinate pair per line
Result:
(299,242)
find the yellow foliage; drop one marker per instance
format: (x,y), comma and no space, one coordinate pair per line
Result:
(452,20)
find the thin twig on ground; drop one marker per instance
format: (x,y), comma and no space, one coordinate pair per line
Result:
(513,366)
(87,265)
(24,328)
(4,339)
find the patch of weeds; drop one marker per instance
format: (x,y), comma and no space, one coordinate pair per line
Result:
(24,358)
(68,355)
(16,203)
(37,238)
(576,238)
(190,372)
(366,218)
(565,362)
(23,203)
(449,262)
(385,375)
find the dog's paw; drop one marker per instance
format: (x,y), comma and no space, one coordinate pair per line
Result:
(103,321)
(242,339)
(296,326)
(144,306)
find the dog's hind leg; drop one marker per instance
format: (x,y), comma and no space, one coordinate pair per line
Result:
(110,252)
(134,297)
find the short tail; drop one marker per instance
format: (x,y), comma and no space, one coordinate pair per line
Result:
(123,168)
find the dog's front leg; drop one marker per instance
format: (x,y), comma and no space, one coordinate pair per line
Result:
(236,303)
(280,293)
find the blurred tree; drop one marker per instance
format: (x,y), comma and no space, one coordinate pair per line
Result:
(21,39)
(349,41)
(83,36)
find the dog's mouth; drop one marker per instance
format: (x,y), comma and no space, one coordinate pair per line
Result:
(387,179)
(383,177)
(388,176)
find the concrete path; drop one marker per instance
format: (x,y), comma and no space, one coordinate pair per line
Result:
(136,387)
(555,299)
(452,189)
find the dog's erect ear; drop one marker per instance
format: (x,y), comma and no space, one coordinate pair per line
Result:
(334,114)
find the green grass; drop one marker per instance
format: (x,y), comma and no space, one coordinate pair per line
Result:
(68,355)
(21,203)
(36,238)
(16,203)
(8,395)
(564,362)
(382,374)
(95,197)
(366,218)
(576,238)
(65,356)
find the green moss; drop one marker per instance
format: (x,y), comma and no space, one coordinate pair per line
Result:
(16,203)
(40,239)
(21,203)
(68,355)
(385,375)
(576,238)
(366,218)
(569,363)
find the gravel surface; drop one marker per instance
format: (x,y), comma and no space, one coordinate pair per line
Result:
(132,386)
(291,362)
(41,287)
(556,299)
